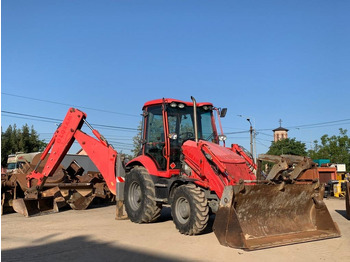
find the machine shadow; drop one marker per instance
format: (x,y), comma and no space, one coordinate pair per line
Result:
(78,249)
(342,213)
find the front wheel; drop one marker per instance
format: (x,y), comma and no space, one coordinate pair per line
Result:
(190,210)
(139,197)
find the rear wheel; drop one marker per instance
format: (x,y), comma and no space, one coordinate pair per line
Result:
(139,196)
(190,210)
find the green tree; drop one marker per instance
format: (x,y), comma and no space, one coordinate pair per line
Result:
(137,141)
(24,139)
(335,148)
(288,146)
(19,140)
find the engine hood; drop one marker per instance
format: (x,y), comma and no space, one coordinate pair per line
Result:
(225,155)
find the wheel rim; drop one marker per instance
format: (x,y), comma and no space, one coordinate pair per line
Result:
(135,196)
(183,210)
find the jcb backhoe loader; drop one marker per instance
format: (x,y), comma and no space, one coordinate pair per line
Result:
(182,163)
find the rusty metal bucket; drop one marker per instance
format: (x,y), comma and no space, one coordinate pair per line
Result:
(79,202)
(262,216)
(34,207)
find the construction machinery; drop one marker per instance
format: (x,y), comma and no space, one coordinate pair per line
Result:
(76,182)
(184,163)
(335,177)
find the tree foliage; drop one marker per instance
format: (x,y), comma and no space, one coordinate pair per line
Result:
(288,146)
(137,141)
(24,140)
(335,148)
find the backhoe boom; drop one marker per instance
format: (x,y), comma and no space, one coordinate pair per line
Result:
(100,152)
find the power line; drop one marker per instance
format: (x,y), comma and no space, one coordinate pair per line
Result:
(39,117)
(322,123)
(28,118)
(55,120)
(261,133)
(260,143)
(238,132)
(329,123)
(64,104)
(314,125)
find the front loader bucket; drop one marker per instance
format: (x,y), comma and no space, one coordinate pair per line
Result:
(34,207)
(261,216)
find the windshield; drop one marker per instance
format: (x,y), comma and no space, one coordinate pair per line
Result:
(181,122)
(11,166)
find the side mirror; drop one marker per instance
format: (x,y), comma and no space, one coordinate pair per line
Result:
(223,112)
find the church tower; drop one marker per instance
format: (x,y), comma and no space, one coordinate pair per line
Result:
(280,133)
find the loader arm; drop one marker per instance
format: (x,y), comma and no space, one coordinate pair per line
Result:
(237,149)
(100,152)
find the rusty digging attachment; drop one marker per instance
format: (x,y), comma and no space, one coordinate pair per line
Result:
(69,187)
(34,207)
(264,215)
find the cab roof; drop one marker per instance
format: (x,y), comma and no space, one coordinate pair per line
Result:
(170,100)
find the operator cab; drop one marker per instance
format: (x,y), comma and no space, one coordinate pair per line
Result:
(168,123)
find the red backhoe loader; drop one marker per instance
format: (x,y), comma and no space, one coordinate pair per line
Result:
(182,164)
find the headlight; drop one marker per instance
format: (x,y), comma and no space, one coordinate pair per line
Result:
(222,137)
(186,169)
(174,104)
(207,108)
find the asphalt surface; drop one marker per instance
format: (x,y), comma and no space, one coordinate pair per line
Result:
(95,235)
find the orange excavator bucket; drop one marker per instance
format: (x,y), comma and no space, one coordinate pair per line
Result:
(263,215)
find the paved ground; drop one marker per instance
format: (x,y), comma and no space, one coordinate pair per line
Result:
(94,235)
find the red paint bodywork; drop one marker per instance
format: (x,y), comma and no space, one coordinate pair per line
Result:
(213,166)
(169,100)
(205,157)
(100,152)
(228,166)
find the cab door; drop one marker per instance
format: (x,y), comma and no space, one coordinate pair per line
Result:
(154,135)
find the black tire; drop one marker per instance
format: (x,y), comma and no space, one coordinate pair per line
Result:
(189,209)
(139,197)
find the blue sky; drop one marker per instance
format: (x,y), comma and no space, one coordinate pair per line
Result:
(268,60)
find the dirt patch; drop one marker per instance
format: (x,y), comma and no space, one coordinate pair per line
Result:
(94,235)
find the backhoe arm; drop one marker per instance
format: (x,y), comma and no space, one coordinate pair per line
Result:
(100,152)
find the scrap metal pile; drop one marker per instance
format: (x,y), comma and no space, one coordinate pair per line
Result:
(70,186)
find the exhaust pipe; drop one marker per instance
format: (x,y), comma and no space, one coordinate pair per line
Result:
(195,119)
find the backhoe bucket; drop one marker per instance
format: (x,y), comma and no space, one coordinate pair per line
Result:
(262,216)
(34,207)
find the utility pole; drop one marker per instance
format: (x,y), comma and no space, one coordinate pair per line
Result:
(251,137)
(252,132)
